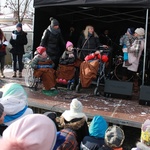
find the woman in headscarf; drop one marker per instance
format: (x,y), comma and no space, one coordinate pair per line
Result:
(15,102)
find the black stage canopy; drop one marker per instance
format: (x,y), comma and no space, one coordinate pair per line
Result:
(108,3)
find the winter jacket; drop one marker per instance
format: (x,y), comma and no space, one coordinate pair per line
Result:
(38,60)
(132,58)
(2,46)
(65,59)
(91,143)
(92,42)
(79,125)
(70,142)
(54,43)
(18,44)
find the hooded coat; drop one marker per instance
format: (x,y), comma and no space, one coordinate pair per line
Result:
(14,100)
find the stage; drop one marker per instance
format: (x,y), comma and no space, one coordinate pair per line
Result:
(126,112)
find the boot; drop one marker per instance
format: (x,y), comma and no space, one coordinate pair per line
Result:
(135,86)
(2,74)
(14,75)
(127,63)
(20,74)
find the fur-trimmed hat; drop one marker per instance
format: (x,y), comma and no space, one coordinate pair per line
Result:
(114,136)
(1,110)
(75,111)
(54,22)
(140,31)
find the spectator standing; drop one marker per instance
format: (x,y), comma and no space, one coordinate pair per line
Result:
(18,40)
(3,44)
(53,41)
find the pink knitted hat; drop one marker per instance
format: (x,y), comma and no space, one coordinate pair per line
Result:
(68,44)
(32,132)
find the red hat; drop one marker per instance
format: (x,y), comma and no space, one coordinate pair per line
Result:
(40,49)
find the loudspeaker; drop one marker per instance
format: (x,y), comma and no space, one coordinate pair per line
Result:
(144,98)
(118,88)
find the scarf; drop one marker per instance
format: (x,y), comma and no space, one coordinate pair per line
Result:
(54,31)
(66,53)
(9,118)
(137,45)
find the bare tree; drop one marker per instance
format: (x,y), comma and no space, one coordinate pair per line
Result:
(19,8)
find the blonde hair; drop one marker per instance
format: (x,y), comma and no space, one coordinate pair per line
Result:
(85,32)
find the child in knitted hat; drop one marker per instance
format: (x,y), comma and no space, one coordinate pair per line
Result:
(114,138)
(144,144)
(126,41)
(43,68)
(66,68)
(75,120)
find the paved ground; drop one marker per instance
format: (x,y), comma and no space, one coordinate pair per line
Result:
(116,110)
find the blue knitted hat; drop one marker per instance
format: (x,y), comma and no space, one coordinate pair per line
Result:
(19,25)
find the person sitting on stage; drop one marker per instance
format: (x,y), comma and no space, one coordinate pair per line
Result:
(66,69)
(114,138)
(75,120)
(144,143)
(14,100)
(97,129)
(43,68)
(32,132)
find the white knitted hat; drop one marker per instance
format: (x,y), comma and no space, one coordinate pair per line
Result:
(140,31)
(75,111)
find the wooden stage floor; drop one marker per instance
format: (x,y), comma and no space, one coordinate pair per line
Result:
(120,111)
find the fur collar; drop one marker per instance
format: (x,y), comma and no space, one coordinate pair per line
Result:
(72,125)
